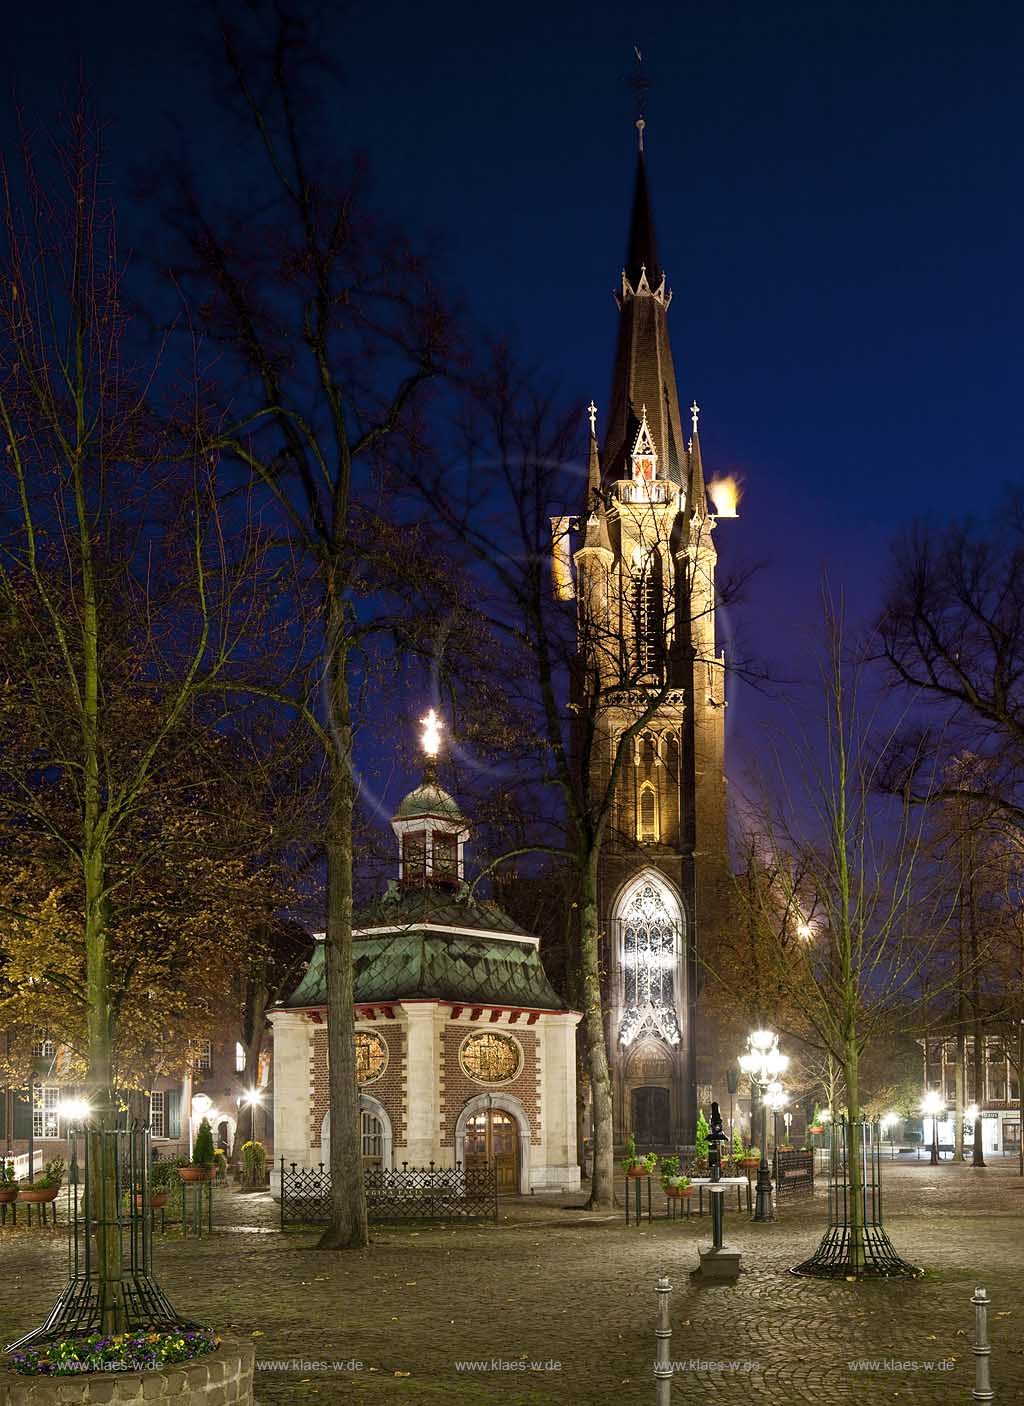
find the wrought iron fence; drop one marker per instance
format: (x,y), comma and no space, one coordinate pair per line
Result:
(409,1194)
(794,1174)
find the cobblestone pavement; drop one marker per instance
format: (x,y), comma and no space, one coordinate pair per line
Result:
(554,1284)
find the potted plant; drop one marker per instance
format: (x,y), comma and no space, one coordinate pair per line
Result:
(751,1158)
(816,1125)
(677,1186)
(162,1177)
(45,1187)
(220,1164)
(8,1184)
(635,1166)
(668,1169)
(254,1164)
(201,1166)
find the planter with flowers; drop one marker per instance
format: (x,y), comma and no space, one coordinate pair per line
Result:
(751,1158)
(186,1367)
(46,1187)
(8,1183)
(635,1166)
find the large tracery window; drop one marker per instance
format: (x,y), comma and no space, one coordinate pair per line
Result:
(650,962)
(647,621)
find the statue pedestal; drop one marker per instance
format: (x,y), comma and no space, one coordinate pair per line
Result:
(717,1266)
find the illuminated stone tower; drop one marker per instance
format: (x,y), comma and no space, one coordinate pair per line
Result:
(645,587)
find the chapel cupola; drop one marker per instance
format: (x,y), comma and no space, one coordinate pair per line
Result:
(431,830)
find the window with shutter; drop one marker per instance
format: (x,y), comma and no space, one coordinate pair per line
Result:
(172,1112)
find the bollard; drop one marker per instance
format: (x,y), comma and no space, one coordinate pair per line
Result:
(982,1351)
(663,1332)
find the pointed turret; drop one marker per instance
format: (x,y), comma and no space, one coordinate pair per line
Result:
(697,497)
(595,518)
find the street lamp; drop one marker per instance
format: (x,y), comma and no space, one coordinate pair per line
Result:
(931,1106)
(763,1063)
(251,1099)
(776,1098)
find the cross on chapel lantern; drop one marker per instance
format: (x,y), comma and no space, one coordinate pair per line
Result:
(695,415)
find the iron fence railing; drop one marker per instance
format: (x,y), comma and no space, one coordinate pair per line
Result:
(408,1194)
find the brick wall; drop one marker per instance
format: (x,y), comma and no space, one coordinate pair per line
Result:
(457,1088)
(388,1090)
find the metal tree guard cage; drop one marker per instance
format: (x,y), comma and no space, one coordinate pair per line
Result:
(107,1196)
(839,1256)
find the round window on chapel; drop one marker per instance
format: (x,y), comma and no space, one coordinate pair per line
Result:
(491,1058)
(371,1057)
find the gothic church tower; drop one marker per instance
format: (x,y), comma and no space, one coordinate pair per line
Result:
(645,587)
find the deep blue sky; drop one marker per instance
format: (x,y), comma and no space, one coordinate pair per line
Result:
(838,196)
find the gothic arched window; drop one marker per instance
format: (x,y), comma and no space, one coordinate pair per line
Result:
(650,948)
(648,829)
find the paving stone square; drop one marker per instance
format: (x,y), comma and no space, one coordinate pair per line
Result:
(553,1284)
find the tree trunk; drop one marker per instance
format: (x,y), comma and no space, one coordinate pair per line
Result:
(958,1132)
(348,1226)
(602,1184)
(851,1070)
(102,1100)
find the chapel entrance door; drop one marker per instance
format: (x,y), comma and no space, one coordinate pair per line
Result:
(492,1138)
(651,1121)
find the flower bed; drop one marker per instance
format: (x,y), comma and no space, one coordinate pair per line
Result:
(214,1378)
(127,1352)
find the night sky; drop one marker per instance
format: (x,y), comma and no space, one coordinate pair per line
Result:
(838,198)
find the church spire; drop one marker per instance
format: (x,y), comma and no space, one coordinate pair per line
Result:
(595,519)
(641,251)
(643,373)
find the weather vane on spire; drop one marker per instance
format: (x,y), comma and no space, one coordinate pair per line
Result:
(640,84)
(695,415)
(592,413)
(431,739)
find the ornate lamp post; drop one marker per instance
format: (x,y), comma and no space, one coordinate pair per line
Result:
(931,1106)
(763,1063)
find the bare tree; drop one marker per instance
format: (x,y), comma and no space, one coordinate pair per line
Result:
(880,906)
(125,599)
(331,328)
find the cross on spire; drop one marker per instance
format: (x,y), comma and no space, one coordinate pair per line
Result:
(592,414)
(695,415)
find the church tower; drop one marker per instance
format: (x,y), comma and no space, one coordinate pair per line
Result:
(645,590)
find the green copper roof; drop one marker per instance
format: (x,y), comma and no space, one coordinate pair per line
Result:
(430,799)
(417,961)
(410,905)
(436,966)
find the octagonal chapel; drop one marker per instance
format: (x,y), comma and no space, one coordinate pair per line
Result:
(464,1052)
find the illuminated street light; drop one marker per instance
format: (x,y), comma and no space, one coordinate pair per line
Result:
(931,1106)
(763,1062)
(75,1111)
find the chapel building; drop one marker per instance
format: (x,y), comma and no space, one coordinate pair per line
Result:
(464,1052)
